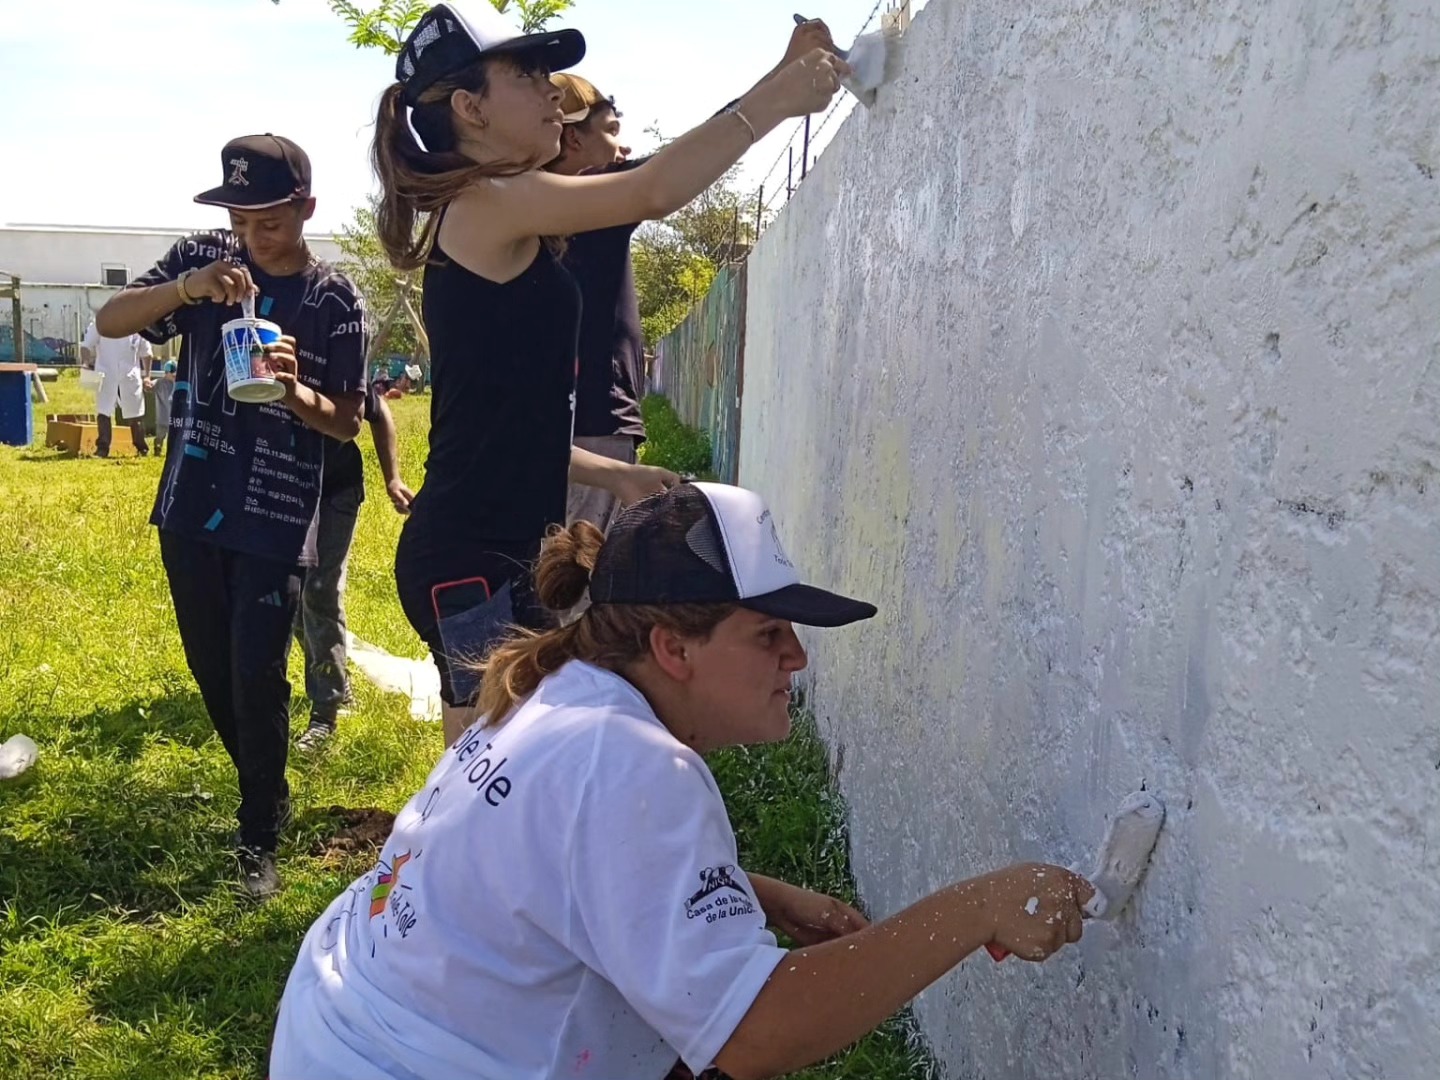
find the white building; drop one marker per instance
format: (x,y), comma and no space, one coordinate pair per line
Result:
(67,272)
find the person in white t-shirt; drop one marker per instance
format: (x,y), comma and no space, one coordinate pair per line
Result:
(122,364)
(564,897)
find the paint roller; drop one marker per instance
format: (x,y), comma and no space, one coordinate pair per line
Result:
(1121,861)
(874,60)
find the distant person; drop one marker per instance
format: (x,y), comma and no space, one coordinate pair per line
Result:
(461,139)
(564,896)
(320,622)
(612,377)
(406,381)
(239,498)
(122,364)
(164,390)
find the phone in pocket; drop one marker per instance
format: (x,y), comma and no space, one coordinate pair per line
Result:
(451,598)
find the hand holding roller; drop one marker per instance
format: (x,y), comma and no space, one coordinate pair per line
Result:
(1121,861)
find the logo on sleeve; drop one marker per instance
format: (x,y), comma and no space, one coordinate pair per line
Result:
(720,896)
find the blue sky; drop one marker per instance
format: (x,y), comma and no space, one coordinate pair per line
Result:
(121,123)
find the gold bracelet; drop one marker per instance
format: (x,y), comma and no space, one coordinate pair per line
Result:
(746,121)
(185,297)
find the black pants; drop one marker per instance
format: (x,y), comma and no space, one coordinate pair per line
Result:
(236,613)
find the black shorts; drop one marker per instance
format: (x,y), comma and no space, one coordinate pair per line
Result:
(464,603)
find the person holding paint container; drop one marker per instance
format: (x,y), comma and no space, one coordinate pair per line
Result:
(272,361)
(461,139)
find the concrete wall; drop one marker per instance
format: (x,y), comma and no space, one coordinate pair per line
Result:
(1103,355)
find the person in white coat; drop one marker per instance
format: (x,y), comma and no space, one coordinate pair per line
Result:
(122,364)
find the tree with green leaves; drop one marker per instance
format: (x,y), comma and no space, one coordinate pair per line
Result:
(385,25)
(392,296)
(677,259)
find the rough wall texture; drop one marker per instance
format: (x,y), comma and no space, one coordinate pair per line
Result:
(1117,386)
(700,365)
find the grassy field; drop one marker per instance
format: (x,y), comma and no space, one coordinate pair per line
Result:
(124,950)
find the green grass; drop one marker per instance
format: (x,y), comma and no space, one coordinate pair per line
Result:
(124,950)
(671,444)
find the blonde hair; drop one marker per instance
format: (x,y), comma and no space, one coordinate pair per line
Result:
(607,635)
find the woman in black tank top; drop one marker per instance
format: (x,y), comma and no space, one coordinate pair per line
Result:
(460,144)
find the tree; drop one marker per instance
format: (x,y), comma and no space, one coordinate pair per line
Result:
(385,25)
(676,260)
(392,297)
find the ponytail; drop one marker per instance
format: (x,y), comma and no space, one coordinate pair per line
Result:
(607,635)
(416,182)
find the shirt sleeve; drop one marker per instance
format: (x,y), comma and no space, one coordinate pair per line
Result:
(170,266)
(349,340)
(663,909)
(92,337)
(144,351)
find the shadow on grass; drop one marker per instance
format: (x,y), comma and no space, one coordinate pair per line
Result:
(130,728)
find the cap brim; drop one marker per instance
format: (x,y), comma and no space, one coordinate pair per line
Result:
(226,197)
(809,606)
(560,49)
(578,116)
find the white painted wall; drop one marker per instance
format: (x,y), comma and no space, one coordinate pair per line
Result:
(74,255)
(1103,356)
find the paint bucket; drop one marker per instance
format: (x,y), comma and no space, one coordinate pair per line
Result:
(90,379)
(248,375)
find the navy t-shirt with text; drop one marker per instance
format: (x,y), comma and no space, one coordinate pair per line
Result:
(242,476)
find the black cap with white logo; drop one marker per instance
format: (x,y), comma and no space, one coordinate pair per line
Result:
(455,34)
(260,171)
(710,544)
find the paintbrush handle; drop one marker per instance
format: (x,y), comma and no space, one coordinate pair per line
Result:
(843,54)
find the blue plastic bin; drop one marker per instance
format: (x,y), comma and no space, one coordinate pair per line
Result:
(17,420)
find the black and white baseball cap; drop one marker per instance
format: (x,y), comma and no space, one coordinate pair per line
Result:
(707,543)
(453,35)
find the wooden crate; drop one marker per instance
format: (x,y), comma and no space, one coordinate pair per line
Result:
(75,433)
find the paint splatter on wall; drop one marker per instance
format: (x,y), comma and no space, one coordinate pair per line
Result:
(1102,355)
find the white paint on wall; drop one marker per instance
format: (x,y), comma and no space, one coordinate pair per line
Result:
(1104,355)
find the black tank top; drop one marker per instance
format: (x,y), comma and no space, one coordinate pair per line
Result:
(503,360)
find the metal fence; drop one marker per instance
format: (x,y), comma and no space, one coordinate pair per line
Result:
(700,367)
(810,136)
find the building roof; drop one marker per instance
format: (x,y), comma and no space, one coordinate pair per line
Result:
(130,230)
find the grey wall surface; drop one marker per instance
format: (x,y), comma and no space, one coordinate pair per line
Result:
(1102,354)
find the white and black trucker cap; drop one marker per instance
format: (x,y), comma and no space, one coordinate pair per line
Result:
(453,35)
(707,543)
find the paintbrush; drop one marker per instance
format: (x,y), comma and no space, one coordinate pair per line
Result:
(874,60)
(1121,861)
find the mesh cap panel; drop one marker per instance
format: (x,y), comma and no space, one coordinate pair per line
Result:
(436,47)
(665,549)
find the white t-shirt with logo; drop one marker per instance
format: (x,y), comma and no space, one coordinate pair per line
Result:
(562,899)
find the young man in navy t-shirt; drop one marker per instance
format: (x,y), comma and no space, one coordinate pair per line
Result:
(238,496)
